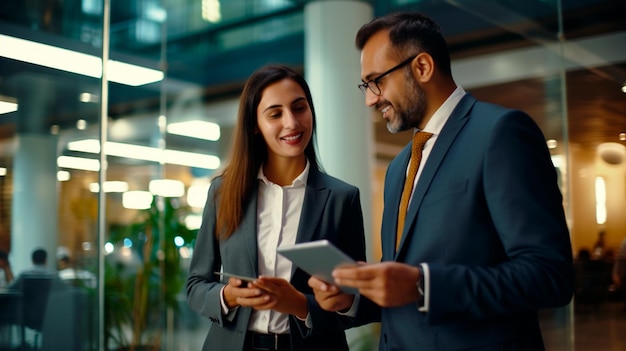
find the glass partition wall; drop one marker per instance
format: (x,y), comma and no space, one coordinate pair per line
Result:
(118,221)
(96,174)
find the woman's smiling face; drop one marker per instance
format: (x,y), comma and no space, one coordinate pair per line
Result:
(285,120)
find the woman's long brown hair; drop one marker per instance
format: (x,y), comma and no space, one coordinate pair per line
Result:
(249,150)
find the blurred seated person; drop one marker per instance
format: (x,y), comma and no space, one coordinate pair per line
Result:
(584,256)
(619,271)
(39,259)
(36,285)
(7,302)
(39,269)
(593,277)
(6,275)
(71,274)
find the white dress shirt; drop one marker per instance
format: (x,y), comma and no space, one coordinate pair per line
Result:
(434,126)
(278,215)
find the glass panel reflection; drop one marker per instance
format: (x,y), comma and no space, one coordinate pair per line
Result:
(200,51)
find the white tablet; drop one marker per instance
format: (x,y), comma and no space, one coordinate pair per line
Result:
(318,258)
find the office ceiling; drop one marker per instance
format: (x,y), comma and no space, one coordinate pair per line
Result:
(207,57)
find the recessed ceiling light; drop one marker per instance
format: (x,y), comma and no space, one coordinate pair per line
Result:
(81,124)
(88,97)
(63,176)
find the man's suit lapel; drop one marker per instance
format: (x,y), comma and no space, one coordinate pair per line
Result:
(315,197)
(448,134)
(393,190)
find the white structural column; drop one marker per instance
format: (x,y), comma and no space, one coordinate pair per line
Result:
(332,68)
(34,211)
(345,135)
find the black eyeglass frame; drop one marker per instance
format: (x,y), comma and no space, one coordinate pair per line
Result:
(375,89)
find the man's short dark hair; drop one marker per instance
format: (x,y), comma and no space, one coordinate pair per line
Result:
(39,256)
(410,33)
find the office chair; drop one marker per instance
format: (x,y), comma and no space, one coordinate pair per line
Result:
(9,317)
(35,293)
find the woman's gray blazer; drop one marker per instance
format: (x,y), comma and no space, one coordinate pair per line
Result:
(331,210)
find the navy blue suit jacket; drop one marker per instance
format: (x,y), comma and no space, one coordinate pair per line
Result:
(331,210)
(487,218)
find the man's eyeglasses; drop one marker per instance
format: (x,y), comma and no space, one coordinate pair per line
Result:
(373,83)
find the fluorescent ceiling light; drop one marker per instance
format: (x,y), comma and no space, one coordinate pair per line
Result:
(125,73)
(86,164)
(112,186)
(196,129)
(91,146)
(197,195)
(138,200)
(75,62)
(191,159)
(600,200)
(167,187)
(3,171)
(146,153)
(6,107)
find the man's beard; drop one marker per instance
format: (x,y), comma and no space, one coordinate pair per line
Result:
(407,118)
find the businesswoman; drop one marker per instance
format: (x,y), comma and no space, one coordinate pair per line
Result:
(272,192)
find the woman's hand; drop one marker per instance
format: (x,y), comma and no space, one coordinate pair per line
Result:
(240,293)
(278,295)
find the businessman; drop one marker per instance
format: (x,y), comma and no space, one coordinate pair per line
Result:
(477,242)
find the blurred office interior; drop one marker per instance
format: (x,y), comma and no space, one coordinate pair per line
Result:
(164,107)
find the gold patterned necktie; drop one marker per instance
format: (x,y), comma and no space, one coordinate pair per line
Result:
(419,140)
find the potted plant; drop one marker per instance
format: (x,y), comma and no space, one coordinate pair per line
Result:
(143,284)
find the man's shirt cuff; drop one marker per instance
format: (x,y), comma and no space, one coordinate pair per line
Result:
(426,280)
